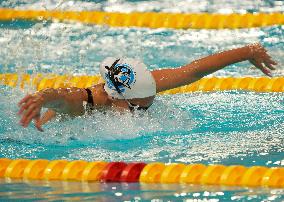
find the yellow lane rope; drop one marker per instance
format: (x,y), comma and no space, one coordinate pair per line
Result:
(150,19)
(39,82)
(80,170)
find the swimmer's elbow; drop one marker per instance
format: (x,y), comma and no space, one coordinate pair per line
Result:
(69,101)
(197,76)
(191,73)
(195,72)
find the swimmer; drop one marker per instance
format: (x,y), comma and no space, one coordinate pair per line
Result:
(130,86)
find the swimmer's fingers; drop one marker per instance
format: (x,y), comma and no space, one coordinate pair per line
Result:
(25,105)
(38,123)
(258,64)
(269,65)
(25,99)
(273,62)
(269,62)
(24,121)
(25,116)
(31,116)
(261,55)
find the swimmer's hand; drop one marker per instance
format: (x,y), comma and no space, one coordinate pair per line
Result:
(67,101)
(30,108)
(260,59)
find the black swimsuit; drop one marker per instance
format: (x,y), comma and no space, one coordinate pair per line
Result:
(90,103)
(90,97)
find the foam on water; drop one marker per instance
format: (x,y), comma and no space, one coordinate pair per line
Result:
(219,127)
(229,128)
(188,128)
(78,49)
(162,117)
(198,127)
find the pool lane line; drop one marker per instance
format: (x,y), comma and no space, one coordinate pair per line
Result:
(100,171)
(150,19)
(207,84)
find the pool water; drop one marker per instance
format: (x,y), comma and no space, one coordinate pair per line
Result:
(231,127)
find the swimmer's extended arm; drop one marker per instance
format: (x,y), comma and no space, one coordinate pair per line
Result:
(172,78)
(64,100)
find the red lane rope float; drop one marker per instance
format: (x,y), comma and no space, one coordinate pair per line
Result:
(112,172)
(79,170)
(207,84)
(131,172)
(150,19)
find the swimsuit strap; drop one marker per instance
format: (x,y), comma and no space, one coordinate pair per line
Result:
(90,100)
(131,106)
(90,96)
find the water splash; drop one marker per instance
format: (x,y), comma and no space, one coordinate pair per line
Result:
(108,125)
(227,127)
(214,127)
(219,6)
(78,49)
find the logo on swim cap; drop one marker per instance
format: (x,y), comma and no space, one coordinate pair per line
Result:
(120,76)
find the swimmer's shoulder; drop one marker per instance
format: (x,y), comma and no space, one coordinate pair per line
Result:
(100,97)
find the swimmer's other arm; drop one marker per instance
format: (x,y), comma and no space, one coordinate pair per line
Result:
(63,100)
(171,78)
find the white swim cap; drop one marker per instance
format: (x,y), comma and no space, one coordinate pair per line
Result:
(129,76)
